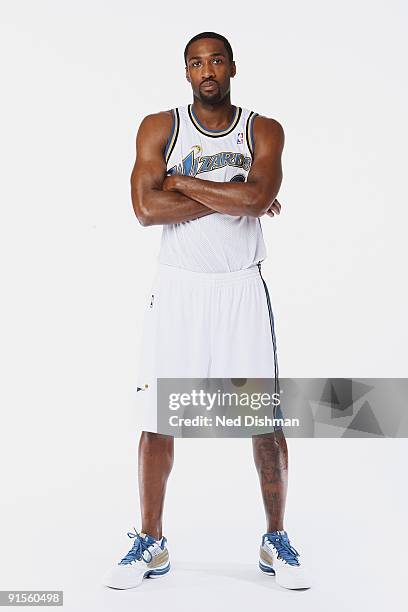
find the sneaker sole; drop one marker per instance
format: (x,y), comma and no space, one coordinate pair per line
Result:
(269,571)
(266,569)
(156,573)
(153,573)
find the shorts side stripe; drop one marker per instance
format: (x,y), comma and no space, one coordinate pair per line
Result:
(272,326)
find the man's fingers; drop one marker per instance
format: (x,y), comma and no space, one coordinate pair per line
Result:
(276,206)
(274,209)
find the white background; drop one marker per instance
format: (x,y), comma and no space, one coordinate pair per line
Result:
(77,78)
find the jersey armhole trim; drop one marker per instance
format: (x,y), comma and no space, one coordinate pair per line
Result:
(249,132)
(173,136)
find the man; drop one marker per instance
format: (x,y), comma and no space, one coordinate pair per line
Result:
(207,172)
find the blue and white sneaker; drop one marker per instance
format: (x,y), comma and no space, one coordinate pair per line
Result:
(148,558)
(277,557)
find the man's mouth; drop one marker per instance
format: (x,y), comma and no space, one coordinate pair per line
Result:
(209,86)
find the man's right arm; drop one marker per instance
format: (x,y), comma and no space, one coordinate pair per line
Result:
(151,204)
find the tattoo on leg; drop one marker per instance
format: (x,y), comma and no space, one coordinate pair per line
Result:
(271,460)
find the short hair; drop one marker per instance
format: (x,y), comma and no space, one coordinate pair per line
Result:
(210,35)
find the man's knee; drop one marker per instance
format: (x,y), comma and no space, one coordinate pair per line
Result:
(150,438)
(273,436)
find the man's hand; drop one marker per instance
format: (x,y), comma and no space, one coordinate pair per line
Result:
(274,209)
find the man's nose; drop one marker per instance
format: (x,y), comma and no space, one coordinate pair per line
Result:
(208,70)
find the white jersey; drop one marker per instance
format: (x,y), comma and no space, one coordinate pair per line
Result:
(216,242)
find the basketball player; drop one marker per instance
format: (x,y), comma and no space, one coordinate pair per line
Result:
(207,172)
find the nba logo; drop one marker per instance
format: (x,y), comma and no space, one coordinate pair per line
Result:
(240,138)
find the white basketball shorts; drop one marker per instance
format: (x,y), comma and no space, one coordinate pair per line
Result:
(204,325)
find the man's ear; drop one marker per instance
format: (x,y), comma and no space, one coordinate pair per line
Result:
(233,70)
(187,75)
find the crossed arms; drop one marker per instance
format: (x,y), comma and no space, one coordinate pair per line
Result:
(159,200)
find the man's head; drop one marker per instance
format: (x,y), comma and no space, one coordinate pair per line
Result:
(209,66)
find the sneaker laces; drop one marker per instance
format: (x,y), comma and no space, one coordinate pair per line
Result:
(140,545)
(285,550)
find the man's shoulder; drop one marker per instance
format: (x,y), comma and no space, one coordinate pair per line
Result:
(160,119)
(267,123)
(156,126)
(268,128)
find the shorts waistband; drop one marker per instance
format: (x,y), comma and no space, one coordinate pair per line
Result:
(217,278)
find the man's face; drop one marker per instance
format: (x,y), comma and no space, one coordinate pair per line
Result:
(209,70)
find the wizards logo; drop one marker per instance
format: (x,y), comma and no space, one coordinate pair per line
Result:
(195,163)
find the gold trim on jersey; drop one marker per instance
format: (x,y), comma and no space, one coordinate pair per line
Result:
(249,132)
(173,137)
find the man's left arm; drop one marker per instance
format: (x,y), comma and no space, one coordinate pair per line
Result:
(252,198)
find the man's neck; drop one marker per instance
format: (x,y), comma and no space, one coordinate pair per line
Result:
(214,116)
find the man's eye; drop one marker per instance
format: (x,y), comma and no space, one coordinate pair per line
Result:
(217,60)
(195,64)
